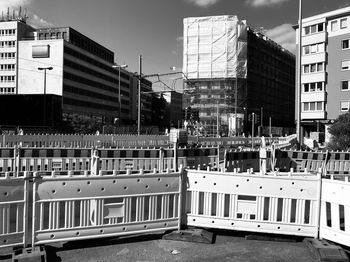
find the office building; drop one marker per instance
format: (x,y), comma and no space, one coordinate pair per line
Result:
(59,74)
(325,78)
(232,72)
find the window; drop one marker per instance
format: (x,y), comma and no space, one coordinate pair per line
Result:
(313,87)
(313,29)
(345,44)
(345,65)
(343,23)
(312,106)
(306,50)
(334,25)
(319,86)
(306,88)
(320,67)
(306,69)
(313,68)
(344,106)
(345,85)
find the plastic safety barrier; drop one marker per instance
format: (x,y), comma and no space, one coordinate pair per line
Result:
(82,207)
(281,203)
(335,210)
(13,210)
(242,160)
(338,163)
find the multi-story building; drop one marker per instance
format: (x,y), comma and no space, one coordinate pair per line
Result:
(60,74)
(233,71)
(325,77)
(12,29)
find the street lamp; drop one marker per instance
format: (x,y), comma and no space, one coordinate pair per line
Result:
(45,69)
(119,100)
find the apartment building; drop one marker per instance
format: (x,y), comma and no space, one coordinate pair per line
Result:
(232,72)
(325,78)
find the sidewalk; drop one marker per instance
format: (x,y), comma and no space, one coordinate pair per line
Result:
(228,246)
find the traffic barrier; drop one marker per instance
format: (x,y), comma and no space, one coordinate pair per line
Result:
(51,159)
(280,203)
(335,210)
(198,158)
(338,163)
(242,160)
(82,207)
(299,160)
(7,159)
(13,210)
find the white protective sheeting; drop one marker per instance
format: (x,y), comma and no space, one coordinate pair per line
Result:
(210,47)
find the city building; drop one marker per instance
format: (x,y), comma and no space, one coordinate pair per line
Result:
(232,72)
(59,75)
(325,67)
(12,29)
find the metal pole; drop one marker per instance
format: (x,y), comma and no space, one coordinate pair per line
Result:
(253,122)
(119,102)
(44,96)
(217,120)
(270,122)
(236,85)
(139,98)
(298,93)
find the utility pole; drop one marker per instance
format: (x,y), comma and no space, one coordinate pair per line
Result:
(298,93)
(44,104)
(236,84)
(253,122)
(217,120)
(139,98)
(261,120)
(270,123)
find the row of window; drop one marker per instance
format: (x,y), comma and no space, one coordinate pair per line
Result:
(312,29)
(313,106)
(7,90)
(339,24)
(76,102)
(7,78)
(314,48)
(7,55)
(53,35)
(7,67)
(314,68)
(313,87)
(6,44)
(84,92)
(93,62)
(6,32)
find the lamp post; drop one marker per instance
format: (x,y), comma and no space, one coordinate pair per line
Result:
(45,69)
(119,99)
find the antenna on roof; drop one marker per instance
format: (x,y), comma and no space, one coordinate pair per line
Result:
(20,12)
(8,13)
(13,14)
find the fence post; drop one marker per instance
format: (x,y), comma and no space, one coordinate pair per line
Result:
(16,160)
(26,208)
(95,162)
(175,156)
(161,159)
(319,203)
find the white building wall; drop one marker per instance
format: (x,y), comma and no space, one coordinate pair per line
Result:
(8,77)
(30,79)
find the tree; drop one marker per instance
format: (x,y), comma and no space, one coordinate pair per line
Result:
(340,132)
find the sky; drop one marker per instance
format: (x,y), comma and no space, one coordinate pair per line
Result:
(154,28)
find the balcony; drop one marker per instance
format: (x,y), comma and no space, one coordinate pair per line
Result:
(313,97)
(314,38)
(313,115)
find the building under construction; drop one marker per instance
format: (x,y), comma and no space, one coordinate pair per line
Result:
(233,72)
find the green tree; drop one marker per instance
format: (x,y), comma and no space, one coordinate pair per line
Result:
(340,132)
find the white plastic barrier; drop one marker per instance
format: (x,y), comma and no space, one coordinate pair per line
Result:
(335,210)
(284,203)
(81,207)
(13,210)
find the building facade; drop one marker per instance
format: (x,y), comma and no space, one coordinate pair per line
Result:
(232,72)
(325,72)
(76,72)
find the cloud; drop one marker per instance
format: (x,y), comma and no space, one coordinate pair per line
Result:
(203,3)
(260,3)
(35,21)
(4,4)
(283,35)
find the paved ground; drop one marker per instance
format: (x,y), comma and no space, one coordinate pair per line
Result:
(228,246)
